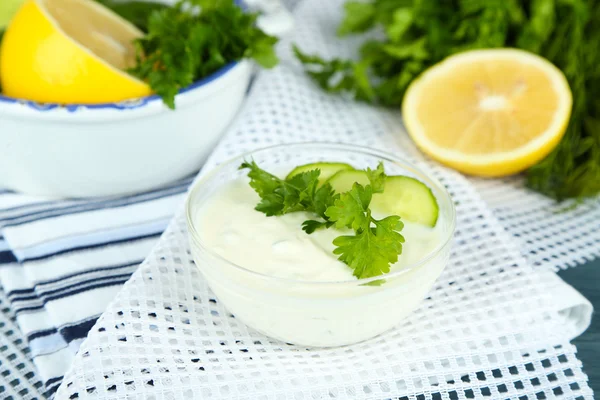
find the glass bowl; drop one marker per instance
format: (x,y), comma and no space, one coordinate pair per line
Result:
(317,313)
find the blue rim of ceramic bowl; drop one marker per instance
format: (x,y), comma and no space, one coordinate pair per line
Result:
(128,104)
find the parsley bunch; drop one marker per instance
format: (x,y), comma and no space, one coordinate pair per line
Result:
(420,33)
(192,40)
(375,245)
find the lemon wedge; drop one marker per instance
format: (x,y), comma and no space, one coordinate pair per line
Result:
(69,51)
(488,112)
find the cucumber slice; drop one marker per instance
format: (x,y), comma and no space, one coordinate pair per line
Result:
(328,169)
(407,197)
(342,181)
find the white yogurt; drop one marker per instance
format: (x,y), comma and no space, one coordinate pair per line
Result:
(277,246)
(301,308)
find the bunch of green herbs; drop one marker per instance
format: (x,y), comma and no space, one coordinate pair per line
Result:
(420,33)
(195,38)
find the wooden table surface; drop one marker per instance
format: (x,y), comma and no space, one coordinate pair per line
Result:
(586,279)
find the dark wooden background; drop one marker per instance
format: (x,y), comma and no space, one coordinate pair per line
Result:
(586,279)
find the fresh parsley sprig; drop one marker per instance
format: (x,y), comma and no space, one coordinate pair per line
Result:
(282,196)
(375,245)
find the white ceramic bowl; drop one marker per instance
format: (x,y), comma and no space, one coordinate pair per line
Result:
(317,313)
(116,148)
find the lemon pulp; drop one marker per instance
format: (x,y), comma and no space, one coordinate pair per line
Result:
(488,112)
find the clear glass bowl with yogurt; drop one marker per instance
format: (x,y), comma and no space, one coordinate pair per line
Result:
(289,285)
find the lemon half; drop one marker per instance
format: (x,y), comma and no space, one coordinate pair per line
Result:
(69,51)
(488,112)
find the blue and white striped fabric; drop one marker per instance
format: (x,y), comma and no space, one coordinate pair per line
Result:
(63,261)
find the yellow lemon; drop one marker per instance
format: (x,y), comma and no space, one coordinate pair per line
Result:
(69,51)
(488,112)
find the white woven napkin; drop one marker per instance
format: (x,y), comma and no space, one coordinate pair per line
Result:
(490,326)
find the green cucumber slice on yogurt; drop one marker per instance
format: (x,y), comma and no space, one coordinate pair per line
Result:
(407,197)
(328,169)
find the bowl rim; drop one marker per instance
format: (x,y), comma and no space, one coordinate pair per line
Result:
(128,104)
(431,180)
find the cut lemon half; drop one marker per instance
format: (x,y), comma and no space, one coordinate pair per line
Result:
(69,51)
(488,112)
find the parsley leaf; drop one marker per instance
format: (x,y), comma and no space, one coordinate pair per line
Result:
(377,178)
(372,250)
(306,185)
(282,196)
(375,245)
(311,225)
(195,38)
(360,18)
(324,198)
(350,210)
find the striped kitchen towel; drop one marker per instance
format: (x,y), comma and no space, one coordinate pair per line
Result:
(62,262)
